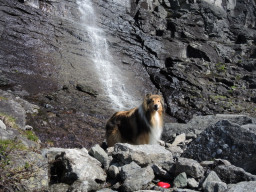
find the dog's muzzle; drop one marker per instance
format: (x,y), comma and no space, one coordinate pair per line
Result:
(156,107)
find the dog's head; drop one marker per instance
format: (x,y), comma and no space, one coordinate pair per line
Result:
(153,102)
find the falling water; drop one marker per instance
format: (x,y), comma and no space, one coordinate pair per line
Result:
(108,73)
(32,3)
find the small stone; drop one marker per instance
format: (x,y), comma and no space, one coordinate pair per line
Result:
(176,150)
(215,186)
(167,3)
(179,139)
(197,132)
(28,127)
(212,176)
(221,162)
(219,151)
(190,167)
(98,153)
(207,163)
(191,135)
(192,183)
(113,171)
(158,171)
(2,125)
(161,142)
(213,183)
(181,180)
(128,169)
(140,178)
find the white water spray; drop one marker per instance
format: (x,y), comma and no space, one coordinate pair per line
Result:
(32,3)
(109,75)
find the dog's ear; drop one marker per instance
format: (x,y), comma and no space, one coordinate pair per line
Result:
(162,101)
(148,96)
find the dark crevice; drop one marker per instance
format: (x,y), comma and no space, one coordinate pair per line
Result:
(196,53)
(61,171)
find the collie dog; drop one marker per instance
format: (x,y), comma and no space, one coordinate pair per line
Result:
(141,125)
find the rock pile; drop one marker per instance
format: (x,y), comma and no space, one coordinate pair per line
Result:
(126,167)
(205,154)
(185,161)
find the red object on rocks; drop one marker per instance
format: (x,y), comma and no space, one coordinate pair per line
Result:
(163,185)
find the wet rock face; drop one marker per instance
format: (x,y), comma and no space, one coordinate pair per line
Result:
(193,52)
(200,55)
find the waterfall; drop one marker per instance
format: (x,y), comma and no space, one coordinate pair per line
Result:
(110,76)
(32,3)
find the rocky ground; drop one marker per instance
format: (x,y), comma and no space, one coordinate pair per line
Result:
(209,153)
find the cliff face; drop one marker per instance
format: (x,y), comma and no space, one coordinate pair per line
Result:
(199,54)
(83,60)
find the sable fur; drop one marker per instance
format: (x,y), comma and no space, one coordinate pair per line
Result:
(141,125)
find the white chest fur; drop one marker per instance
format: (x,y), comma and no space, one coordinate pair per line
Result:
(156,129)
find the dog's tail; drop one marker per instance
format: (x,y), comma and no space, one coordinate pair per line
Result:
(113,134)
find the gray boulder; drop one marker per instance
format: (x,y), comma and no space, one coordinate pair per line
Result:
(226,140)
(192,183)
(16,108)
(76,168)
(199,123)
(215,186)
(212,183)
(128,170)
(181,180)
(190,167)
(138,180)
(141,154)
(98,153)
(242,187)
(233,174)
(160,172)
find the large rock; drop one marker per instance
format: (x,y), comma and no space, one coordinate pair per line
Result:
(141,154)
(190,167)
(98,153)
(226,140)
(233,174)
(128,170)
(76,168)
(213,183)
(181,180)
(242,187)
(199,123)
(138,179)
(15,109)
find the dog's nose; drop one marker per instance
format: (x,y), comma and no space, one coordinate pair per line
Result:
(156,107)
